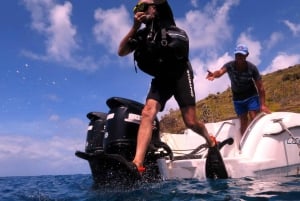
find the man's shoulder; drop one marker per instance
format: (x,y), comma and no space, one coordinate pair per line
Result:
(253,70)
(251,65)
(229,64)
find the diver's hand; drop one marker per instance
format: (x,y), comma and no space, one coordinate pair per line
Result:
(141,17)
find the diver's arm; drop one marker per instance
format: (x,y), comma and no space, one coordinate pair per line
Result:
(124,47)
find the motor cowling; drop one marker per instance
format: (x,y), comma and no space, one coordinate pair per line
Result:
(96,131)
(122,124)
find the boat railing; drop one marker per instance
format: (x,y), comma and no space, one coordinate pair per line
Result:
(221,127)
(249,128)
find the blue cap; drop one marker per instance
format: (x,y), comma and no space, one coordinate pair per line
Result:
(242,49)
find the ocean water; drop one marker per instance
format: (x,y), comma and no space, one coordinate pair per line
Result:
(81,188)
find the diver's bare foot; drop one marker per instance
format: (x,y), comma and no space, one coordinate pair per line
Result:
(139,167)
(213,141)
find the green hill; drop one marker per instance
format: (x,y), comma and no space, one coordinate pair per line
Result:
(282,94)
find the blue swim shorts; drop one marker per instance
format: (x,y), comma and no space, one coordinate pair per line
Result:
(249,104)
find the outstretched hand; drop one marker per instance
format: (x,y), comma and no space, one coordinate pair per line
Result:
(210,76)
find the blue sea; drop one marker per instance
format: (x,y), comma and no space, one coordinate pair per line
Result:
(81,188)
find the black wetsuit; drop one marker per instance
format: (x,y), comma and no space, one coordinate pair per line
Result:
(171,76)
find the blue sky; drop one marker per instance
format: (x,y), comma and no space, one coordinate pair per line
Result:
(59,62)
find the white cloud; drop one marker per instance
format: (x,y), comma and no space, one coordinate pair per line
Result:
(111,26)
(53,21)
(282,60)
(39,12)
(61,41)
(24,156)
(275,38)
(194,3)
(295,28)
(54,117)
(37,148)
(208,29)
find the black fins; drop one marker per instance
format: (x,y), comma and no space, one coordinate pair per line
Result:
(214,165)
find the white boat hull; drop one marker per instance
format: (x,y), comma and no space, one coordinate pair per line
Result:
(270,146)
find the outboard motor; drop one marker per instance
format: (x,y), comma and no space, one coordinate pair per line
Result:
(96,131)
(122,126)
(111,141)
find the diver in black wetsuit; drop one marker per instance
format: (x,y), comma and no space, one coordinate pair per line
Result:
(171,77)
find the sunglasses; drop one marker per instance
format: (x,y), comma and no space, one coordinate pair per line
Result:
(142,7)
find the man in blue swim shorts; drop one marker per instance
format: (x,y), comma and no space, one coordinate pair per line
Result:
(246,85)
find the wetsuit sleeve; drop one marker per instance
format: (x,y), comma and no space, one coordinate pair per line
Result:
(137,39)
